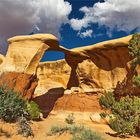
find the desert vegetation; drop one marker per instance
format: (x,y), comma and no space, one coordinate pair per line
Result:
(78,132)
(14,109)
(125,110)
(70,119)
(126,114)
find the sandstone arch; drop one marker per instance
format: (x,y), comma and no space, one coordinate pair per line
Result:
(94,68)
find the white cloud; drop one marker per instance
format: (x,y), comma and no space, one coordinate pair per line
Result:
(78,24)
(121,15)
(53,13)
(87,33)
(22,16)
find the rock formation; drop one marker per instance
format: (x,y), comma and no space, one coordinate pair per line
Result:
(22,83)
(25,52)
(107,64)
(95,68)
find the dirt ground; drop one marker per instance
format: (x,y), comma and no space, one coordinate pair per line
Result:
(40,129)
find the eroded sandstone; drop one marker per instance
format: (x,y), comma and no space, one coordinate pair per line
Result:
(95,68)
(25,52)
(22,83)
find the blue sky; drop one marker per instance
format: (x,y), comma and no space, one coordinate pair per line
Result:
(75,22)
(70,39)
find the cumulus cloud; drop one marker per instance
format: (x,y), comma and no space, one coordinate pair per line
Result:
(120,15)
(87,33)
(53,13)
(78,24)
(23,16)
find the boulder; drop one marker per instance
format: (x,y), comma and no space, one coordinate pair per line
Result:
(22,83)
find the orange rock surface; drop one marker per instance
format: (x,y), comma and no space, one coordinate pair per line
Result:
(21,83)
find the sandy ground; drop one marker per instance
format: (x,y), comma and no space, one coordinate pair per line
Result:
(41,128)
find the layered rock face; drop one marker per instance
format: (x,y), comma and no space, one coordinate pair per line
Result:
(94,68)
(52,75)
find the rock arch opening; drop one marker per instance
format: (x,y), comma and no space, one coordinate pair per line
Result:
(52,56)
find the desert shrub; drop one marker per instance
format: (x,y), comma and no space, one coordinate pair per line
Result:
(103,115)
(122,126)
(87,134)
(24,128)
(57,130)
(78,132)
(108,100)
(12,106)
(134,50)
(76,129)
(126,109)
(126,114)
(2,90)
(70,119)
(33,110)
(136,80)
(134,45)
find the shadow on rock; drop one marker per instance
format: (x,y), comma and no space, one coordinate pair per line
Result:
(47,101)
(116,135)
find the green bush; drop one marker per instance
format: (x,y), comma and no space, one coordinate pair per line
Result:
(12,106)
(122,126)
(103,115)
(78,132)
(24,128)
(134,51)
(57,130)
(76,129)
(134,45)
(70,119)
(33,110)
(126,114)
(136,80)
(108,100)
(2,90)
(87,134)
